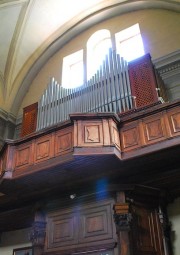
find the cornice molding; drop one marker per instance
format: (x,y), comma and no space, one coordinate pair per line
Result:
(7,116)
(168,65)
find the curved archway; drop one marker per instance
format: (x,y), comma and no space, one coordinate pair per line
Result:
(56,42)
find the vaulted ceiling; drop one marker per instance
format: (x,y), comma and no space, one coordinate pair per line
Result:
(31,31)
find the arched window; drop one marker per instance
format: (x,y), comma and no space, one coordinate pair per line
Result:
(72,71)
(129,43)
(97,47)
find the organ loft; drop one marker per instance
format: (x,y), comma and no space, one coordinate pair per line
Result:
(94,169)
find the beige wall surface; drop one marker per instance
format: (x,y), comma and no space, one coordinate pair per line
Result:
(13,240)
(160,32)
(174,217)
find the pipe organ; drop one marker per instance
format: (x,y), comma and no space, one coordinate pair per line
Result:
(116,87)
(107,91)
(95,184)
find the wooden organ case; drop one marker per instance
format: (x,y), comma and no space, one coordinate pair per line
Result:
(75,154)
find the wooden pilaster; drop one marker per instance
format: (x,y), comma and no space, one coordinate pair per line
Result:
(37,235)
(122,219)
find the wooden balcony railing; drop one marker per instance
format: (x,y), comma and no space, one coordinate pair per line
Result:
(134,135)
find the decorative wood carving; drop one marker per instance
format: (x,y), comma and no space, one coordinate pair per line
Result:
(114,133)
(154,129)
(99,135)
(73,230)
(63,230)
(43,148)
(116,137)
(63,141)
(122,217)
(23,155)
(29,119)
(130,136)
(96,224)
(146,231)
(176,122)
(174,118)
(98,131)
(143,81)
(92,134)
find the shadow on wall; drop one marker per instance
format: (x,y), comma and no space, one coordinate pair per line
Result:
(174,217)
(14,239)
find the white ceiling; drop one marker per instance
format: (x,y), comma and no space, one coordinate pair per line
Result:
(32,30)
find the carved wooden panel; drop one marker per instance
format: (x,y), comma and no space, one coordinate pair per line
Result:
(63,141)
(90,133)
(174,121)
(62,230)
(143,81)
(115,138)
(130,138)
(154,129)
(44,148)
(80,228)
(146,232)
(95,224)
(29,119)
(23,155)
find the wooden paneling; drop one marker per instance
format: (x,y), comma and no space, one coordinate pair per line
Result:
(95,224)
(80,228)
(62,230)
(24,155)
(29,119)
(92,133)
(146,231)
(63,141)
(44,148)
(150,130)
(154,129)
(130,137)
(96,133)
(114,134)
(174,121)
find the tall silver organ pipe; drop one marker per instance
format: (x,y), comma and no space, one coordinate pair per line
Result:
(107,91)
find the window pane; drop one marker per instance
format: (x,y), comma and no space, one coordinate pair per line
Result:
(73,73)
(132,48)
(97,48)
(129,43)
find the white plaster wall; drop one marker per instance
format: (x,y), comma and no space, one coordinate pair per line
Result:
(174,217)
(12,240)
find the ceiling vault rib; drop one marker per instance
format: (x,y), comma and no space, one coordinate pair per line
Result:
(14,46)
